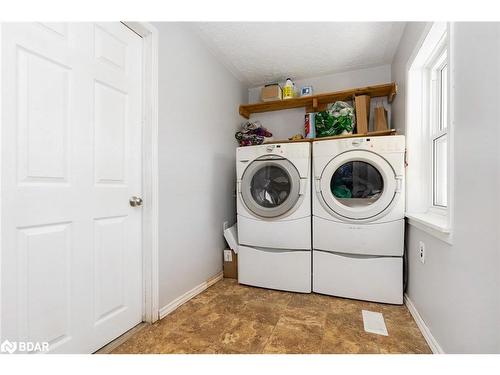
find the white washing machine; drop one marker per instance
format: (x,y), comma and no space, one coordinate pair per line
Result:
(274,215)
(358,218)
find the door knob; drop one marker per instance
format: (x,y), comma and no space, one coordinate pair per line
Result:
(135,201)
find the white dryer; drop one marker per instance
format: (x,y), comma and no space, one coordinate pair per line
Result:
(274,215)
(358,218)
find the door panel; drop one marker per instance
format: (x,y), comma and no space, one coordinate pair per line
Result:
(43,118)
(44,282)
(109,267)
(109,49)
(58,28)
(110,120)
(71,158)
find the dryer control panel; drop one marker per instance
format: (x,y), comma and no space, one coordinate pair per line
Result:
(386,144)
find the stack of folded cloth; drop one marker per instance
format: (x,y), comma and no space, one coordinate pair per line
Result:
(253,133)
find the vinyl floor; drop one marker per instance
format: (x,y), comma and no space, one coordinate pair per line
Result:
(233,318)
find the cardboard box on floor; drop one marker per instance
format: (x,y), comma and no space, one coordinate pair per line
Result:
(230,264)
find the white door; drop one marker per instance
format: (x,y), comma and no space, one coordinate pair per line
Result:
(71,265)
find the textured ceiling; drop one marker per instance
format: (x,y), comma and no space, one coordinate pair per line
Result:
(260,52)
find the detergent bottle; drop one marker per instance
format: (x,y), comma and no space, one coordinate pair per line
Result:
(288,89)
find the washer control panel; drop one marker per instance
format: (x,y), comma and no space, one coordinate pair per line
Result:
(285,150)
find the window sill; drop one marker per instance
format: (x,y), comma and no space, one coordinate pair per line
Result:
(434,224)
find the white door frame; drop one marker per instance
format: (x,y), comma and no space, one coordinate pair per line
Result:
(149,36)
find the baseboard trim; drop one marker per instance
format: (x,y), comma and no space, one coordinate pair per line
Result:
(179,301)
(214,279)
(426,332)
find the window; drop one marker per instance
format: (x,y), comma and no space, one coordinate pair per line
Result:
(428,130)
(438,125)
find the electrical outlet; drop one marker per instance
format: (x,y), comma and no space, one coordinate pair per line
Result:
(228,256)
(225,225)
(421,250)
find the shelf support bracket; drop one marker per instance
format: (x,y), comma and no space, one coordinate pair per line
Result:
(245,113)
(315,104)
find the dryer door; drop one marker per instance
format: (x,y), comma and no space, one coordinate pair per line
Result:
(358,185)
(270,187)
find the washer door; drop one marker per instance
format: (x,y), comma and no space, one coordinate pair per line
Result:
(270,187)
(358,185)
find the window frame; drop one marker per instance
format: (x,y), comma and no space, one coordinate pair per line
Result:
(420,210)
(433,120)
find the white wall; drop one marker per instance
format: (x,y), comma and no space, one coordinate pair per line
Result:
(198,115)
(457,290)
(412,36)
(284,124)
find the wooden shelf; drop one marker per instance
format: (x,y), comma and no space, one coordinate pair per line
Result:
(319,102)
(369,134)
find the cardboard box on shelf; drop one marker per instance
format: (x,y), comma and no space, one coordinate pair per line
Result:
(271,92)
(380,119)
(230,264)
(362,106)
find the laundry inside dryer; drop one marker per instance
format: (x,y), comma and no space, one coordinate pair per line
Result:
(357,183)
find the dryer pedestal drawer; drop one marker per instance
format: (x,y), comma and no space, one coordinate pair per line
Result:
(275,269)
(378,279)
(366,239)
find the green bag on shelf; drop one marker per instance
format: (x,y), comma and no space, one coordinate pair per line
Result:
(338,119)
(323,121)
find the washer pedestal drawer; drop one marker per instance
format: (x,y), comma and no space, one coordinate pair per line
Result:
(370,278)
(275,269)
(284,234)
